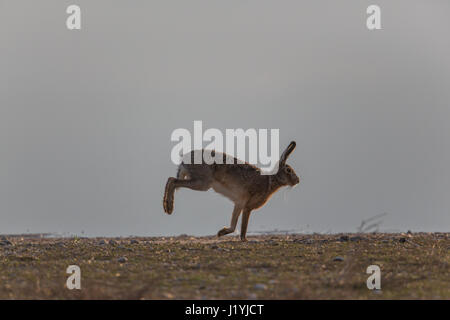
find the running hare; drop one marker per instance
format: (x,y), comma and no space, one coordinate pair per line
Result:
(242,183)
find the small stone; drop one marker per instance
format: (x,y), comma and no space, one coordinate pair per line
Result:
(402,240)
(343,238)
(5,243)
(214,246)
(112,242)
(252,296)
(260,286)
(168,295)
(3,238)
(356,238)
(134,241)
(305,241)
(253,270)
(122,260)
(102,242)
(338,259)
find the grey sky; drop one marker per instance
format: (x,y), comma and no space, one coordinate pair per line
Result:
(86,116)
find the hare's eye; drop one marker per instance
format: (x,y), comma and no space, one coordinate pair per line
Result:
(288,170)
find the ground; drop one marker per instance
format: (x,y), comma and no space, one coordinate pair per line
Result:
(315,266)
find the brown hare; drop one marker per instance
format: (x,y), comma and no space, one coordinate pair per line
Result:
(242,183)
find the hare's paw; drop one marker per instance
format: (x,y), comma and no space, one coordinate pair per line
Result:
(168,196)
(168,206)
(224,231)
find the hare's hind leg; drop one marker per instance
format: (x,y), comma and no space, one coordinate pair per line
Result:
(173,183)
(168,195)
(244,223)
(234,218)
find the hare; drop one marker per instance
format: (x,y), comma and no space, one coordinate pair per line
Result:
(242,183)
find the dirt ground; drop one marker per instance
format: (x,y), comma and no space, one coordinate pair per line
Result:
(413,265)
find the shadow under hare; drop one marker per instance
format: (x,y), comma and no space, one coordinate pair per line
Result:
(241,182)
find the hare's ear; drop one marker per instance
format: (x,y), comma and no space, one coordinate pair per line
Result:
(287,152)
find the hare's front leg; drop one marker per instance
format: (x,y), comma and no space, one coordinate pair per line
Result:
(244,223)
(234,219)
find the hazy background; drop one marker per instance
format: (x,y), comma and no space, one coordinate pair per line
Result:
(86,116)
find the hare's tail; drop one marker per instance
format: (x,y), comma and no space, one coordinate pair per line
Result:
(168,196)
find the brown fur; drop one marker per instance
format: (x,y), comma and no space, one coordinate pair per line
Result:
(242,183)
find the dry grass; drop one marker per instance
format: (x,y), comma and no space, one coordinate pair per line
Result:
(267,267)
